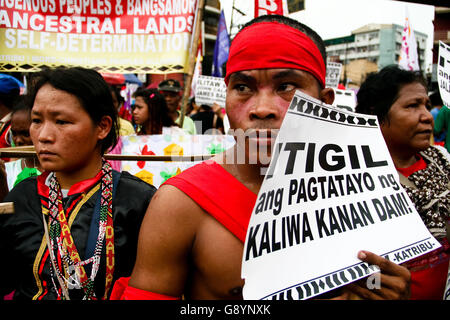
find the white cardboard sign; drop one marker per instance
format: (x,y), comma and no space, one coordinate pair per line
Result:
(210,90)
(443,70)
(344,99)
(447,286)
(330,191)
(333,76)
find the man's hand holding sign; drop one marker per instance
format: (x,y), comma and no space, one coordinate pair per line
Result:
(331,190)
(393,284)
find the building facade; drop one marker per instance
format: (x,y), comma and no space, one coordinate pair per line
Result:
(379,44)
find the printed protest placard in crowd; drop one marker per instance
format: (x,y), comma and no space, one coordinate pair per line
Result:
(330,191)
(111,35)
(333,74)
(157,172)
(443,70)
(210,90)
(344,99)
(263,7)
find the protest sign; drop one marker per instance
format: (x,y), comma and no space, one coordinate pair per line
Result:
(263,7)
(210,90)
(133,36)
(344,99)
(333,74)
(157,173)
(443,70)
(331,190)
(447,286)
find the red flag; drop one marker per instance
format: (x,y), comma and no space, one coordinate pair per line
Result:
(263,7)
(409,59)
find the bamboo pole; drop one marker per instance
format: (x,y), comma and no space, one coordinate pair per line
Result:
(191,63)
(174,158)
(29,152)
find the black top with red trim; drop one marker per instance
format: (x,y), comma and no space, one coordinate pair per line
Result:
(25,265)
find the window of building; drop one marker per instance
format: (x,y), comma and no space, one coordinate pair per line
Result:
(360,37)
(213,3)
(373,35)
(211,22)
(295,5)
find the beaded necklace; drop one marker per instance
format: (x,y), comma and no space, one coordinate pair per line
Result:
(66,264)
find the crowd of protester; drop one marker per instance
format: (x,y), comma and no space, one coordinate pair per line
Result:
(82,230)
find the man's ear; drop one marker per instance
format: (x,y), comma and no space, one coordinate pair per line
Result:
(327,95)
(104,127)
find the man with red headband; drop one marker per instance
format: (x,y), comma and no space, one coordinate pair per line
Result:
(192,247)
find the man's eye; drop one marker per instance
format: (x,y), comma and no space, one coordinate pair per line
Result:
(242,88)
(36,120)
(287,87)
(61,122)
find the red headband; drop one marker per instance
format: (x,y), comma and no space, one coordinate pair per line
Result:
(267,45)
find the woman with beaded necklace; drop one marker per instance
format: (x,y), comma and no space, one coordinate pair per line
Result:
(75,227)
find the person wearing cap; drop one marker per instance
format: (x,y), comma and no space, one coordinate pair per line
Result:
(9,92)
(193,247)
(171,90)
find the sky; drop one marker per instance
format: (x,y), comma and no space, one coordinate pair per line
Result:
(338,18)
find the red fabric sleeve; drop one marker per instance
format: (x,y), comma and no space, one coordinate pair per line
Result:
(122,291)
(218,193)
(429,284)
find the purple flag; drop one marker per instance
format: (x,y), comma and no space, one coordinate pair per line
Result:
(221,48)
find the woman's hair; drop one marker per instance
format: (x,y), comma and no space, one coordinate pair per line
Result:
(91,90)
(158,112)
(116,91)
(380,90)
(20,104)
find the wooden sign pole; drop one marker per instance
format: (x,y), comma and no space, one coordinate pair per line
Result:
(192,56)
(29,152)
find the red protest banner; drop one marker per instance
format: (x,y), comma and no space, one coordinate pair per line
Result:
(263,7)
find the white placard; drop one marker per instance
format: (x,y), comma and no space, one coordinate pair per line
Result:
(333,74)
(344,99)
(330,191)
(443,70)
(447,286)
(210,90)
